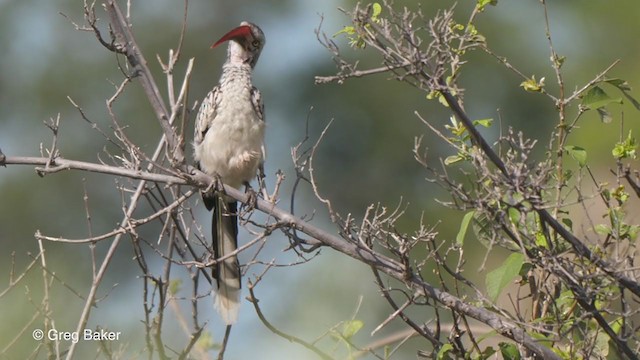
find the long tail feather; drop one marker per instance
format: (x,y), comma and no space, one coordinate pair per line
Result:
(224,228)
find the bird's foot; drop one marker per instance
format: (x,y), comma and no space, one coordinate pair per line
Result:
(218,185)
(252,197)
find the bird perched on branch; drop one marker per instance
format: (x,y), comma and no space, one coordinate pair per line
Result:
(229,144)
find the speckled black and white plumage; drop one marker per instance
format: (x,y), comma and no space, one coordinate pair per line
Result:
(229,143)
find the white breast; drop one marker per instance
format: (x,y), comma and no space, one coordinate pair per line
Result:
(233,146)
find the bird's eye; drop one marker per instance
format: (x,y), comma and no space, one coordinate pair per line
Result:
(256,43)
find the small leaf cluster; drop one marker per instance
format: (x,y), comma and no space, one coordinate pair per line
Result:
(461,139)
(352,33)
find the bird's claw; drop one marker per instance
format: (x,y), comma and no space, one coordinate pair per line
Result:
(252,197)
(218,185)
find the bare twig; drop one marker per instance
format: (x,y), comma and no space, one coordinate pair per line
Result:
(280,333)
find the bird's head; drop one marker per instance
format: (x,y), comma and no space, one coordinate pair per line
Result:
(245,43)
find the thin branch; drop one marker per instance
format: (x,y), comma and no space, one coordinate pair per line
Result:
(13,281)
(130,227)
(592,82)
(359,73)
(273,329)
(419,330)
(634,184)
(225,341)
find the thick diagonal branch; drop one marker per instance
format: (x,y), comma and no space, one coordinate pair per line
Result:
(126,44)
(578,245)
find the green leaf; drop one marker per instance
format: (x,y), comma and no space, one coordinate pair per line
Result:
(499,278)
(620,194)
(437,95)
(487,352)
(449,160)
(480,4)
(443,353)
(558,61)
(601,345)
(350,328)
(174,286)
(625,149)
(205,342)
(509,351)
(532,85)
(524,271)
(619,83)
(377,9)
(483,122)
(624,87)
(348,30)
(577,153)
(514,215)
(616,325)
(543,340)
(464,225)
(456,128)
(541,240)
(565,303)
(602,229)
(474,35)
(355,41)
(482,227)
(471,30)
(596,98)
